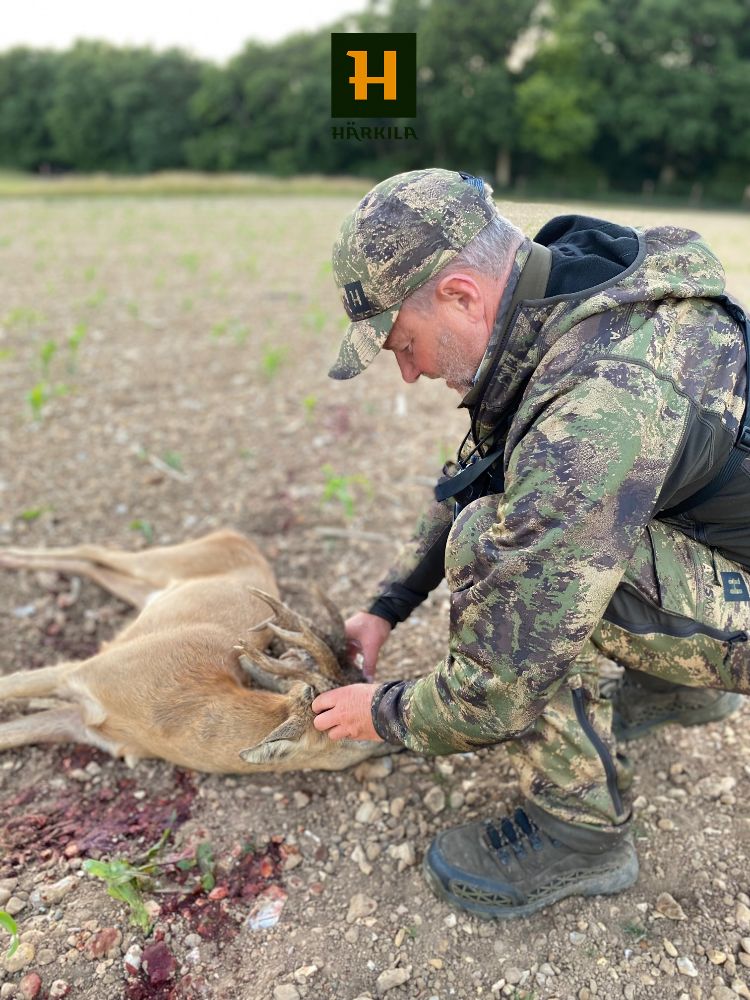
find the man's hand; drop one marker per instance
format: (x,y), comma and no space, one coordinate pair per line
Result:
(344,713)
(366,634)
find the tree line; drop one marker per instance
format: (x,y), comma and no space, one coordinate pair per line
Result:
(559,96)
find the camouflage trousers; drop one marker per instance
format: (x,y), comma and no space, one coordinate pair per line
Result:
(681,613)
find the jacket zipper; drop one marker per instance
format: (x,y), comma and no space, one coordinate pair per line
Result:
(600,746)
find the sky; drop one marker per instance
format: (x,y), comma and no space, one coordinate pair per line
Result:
(213,29)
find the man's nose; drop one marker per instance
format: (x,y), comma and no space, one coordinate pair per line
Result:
(409,371)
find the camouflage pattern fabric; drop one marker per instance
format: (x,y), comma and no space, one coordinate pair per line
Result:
(401,233)
(606,383)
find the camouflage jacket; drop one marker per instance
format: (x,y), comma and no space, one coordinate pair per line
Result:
(612,402)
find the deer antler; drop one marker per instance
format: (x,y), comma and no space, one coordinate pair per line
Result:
(296,630)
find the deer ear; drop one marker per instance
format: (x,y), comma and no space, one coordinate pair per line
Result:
(281,742)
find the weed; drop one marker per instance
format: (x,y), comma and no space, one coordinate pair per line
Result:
(190,261)
(635,931)
(309,403)
(36,397)
(74,341)
(340,488)
(8,923)
(173,459)
(32,513)
(144,527)
(411,931)
(271,360)
(96,298)
(46,353)
(22,316)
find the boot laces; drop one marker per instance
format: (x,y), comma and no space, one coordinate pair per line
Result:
(517,833)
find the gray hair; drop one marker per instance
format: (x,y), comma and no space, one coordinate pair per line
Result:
(490,253)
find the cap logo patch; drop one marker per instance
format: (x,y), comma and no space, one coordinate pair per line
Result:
(356,302)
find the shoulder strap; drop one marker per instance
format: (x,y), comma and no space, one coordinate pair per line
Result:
(741,447)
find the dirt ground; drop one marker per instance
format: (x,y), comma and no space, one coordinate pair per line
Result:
(196,398)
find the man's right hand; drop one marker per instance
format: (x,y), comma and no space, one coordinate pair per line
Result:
(366,633)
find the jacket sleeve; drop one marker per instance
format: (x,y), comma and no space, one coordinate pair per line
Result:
(586,466)
(419,566)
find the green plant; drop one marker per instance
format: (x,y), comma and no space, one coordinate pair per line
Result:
(339,488)
(36,397)
(173,459)
(6,353)
(144,527)
(271,360)
(46,353)
(309,403)
(32,513)
(8,923)
(74,341)
(635,931)
(126,880)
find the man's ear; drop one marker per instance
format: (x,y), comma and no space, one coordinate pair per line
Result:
(462,290)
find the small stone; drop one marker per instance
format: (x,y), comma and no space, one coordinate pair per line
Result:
(50,895)
(404,853)
(716,957)
(629,992)
(391,978)
(301,799)
(30,986)
(192,940)
(374,770)
(105,943)
(434,800)
(740,988)
(512,975)
(745,944)
(14,905)
(4,896)
(584,993)
(722,992)
(456,799)
(665,824)
(686,967)
(158,963)
(360,906)
(450,920)
(45,957)
(132,959)
(303,973)
(286,992)
(576,937)
(742,917)
(670,948)
(744,959)
(58,989)
(366,812)
(668,906)
(21,957)
(397,806)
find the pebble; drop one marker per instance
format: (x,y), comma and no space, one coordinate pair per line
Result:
(50,895)
(359,857)
(745,943)
(14,905)
(132,959)
(366,812)
(192,940)
(301,799)
(30,986)
(670,948)
(668,906)
(686,967)
(512,975)
(21,957)
(723,993)
(434,800)
(286,992)
(59,989)
(716,957)
(360,906)
(404,853)
(740,988)
(45,956)
(303,973)
(374,770)
(4,896)
(576,937)
(741,916)
(104,943)
(391,978)
(397,806)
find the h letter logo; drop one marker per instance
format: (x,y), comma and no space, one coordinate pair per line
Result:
(361,80)
(390,94)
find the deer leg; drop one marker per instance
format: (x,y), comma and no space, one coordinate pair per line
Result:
(128,588)
(41,683)
(56,725)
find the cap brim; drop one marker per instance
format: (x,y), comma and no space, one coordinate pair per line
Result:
(362,342)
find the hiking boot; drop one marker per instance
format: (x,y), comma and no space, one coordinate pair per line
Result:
(512,867)
(641,703)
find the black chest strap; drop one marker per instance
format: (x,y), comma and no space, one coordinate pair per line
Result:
(741,448)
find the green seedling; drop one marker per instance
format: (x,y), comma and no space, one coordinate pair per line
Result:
(8,923)
(46,353)
(340,488)
(32,513)
(36,397)
(74,341)
(635,931)
(89,273)
(173,459)
(22,316)
(125,880)
(144,527)
(190,261)
(309,403)
(96,298)
(271,360)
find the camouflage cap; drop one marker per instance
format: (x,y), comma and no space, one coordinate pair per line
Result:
(400,234)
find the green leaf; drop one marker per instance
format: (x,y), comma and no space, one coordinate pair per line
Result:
(8,923)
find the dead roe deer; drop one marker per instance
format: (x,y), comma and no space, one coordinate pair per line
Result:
(175,682)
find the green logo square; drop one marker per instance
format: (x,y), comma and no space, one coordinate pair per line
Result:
(374,75)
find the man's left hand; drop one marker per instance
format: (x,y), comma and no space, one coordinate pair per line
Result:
(344,713)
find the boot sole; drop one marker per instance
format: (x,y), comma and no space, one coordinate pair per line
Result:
(598,884)
(727,705)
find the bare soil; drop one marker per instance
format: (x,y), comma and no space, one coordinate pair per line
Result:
(198,398)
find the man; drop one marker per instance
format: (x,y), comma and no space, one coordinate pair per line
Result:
(599,506)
